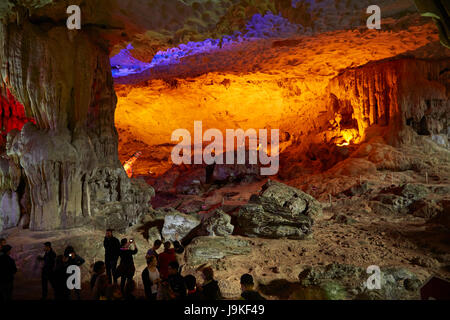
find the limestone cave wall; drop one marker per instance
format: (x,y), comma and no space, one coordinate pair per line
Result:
(68,157)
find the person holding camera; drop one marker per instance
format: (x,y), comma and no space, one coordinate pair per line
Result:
(74,260)
(126,268)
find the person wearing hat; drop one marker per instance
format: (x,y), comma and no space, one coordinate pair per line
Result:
(248,293)
(47,274)
(7,271)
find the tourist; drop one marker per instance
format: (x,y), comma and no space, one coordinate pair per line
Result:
(73,259)
(60,278)
(247,285)
(210,288)
(49,260)
(126,269)
(8,270)
(99,281)
(112,252)
(166,257)
(154,250)
(191,286)
(177,287)
(178,248)
(151,279)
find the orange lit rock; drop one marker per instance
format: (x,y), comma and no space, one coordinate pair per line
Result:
(296,86)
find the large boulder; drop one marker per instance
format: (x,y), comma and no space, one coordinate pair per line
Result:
(179,224)
(219,224)
(279,211)
(208,249)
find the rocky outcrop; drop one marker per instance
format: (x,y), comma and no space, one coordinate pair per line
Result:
(69,156)
(279,211)
(339,281)
(9,210)
(394,93)
(219,224)
(12,115)
(208,249)
(177,224)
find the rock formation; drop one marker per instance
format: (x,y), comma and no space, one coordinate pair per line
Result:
(69,156)
(279,211)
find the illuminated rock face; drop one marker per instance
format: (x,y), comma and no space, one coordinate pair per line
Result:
(12,114)
(69,156)
(321,91)
(395,94)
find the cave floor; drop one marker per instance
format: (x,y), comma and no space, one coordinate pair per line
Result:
(349,232)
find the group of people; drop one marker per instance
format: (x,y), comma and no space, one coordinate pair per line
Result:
(54,271)
(161,278)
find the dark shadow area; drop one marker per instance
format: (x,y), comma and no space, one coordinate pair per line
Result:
(280,288)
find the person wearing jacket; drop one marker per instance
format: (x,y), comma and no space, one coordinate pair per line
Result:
(7,271)
(126,269)
(49,260)
(248,293)
(210,288)
(150,278)
(112,251)
(60,278)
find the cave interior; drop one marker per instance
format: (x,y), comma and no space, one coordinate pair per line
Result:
(87,120)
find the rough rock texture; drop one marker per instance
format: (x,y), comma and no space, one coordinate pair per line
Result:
(279,211)
(219,224)
(394,93)
(337,281)
(9,210)
(12,115)
(178,224)
(69,157)
(207,249)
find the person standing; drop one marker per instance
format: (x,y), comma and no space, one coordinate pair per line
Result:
(191,286)
(49,259)
(74,260)
(166,257)
(150,278)
(7,271)
(99,281)
(112,252)
(154,250)
(60,278)
(247,286)
(176,284)
(210,288)
(126,268)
